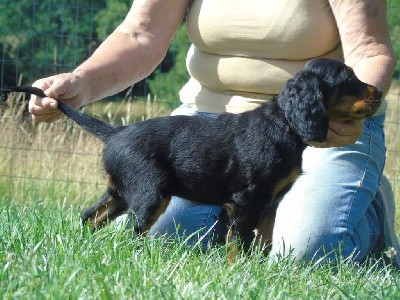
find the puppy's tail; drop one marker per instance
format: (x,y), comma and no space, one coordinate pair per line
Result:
(99,129)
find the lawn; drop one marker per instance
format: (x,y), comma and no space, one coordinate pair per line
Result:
(48,172)
(45,252)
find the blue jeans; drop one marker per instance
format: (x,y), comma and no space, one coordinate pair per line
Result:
(329,207)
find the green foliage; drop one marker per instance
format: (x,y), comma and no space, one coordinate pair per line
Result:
(108,18)
(168,80)
(42,38)
(394,27)
(45,37)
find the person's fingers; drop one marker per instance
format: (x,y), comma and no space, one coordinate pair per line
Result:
(324,144)
(40,105)
(353,129)
(341,134)
(44,109)
(333,142)
(45,117)
(44,83)
(51,93)
(55,117)
(37,118)
(63,86)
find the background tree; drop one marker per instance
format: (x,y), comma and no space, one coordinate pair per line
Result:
(394,27)
(40,38)
(170,76)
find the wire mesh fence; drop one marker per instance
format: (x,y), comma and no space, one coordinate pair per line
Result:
(392,129)
(42,38)
(39,39)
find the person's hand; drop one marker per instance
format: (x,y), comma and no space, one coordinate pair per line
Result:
(67,87)
(341,134)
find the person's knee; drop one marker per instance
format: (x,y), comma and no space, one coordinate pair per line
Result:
(320,246)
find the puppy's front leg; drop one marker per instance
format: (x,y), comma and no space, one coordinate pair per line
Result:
(241,231)
(263,234)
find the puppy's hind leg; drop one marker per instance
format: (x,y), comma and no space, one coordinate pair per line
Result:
(110,206)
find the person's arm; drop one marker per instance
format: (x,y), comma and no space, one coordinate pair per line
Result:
(365,39)
(128,55)
(135,48)
(367,49)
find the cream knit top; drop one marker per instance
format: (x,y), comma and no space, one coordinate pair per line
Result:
(244,51)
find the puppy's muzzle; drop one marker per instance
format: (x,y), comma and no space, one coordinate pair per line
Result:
(373,99)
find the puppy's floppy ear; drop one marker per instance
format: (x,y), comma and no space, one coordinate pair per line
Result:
(302,100)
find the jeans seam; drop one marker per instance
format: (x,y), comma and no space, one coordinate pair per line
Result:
(365,170)
(356,192)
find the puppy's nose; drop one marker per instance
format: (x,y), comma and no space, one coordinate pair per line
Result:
(374,93)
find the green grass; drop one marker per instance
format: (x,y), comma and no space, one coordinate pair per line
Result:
(45,252)
(47,172)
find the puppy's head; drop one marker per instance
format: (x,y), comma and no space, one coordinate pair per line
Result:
(326,89)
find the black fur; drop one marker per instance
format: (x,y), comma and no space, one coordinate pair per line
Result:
(243,159)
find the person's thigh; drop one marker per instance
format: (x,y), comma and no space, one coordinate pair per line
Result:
(184,219)
(330,206)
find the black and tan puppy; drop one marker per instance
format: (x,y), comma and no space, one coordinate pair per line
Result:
(243,159)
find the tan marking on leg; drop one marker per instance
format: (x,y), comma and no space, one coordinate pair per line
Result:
(233,249)
(100,217)
(264,230)
(285,182)
(159,211)
(109,182)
